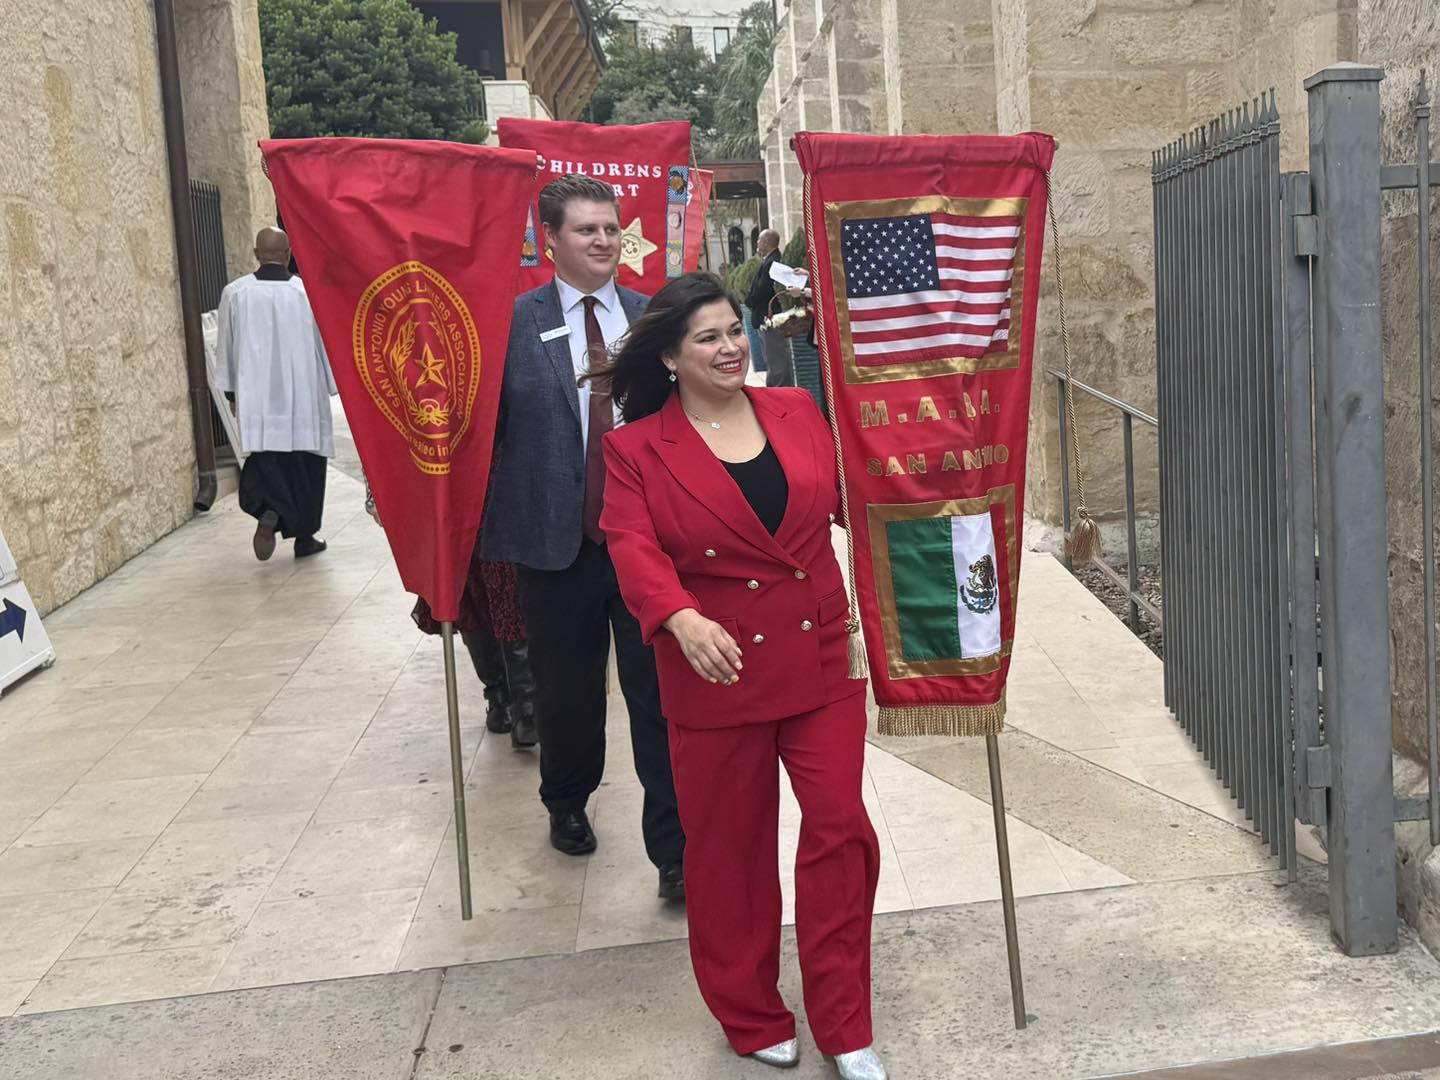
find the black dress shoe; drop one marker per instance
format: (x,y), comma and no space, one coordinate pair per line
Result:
(497,717)
(672,881)
(264,541)
(306,546)
(570,832)
(524,735)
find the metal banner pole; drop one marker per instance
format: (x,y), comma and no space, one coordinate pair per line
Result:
(1007,890)
(457,768)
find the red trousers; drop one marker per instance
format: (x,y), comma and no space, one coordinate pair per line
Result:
(727,781)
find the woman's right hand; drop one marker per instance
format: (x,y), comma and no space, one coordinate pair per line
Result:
(712,652)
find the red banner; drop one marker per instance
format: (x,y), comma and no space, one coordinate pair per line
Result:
(925,264)
(407,252)
(701,187)
(649,167)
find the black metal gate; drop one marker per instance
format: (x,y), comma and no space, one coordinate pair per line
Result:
(210,245)
(1272,386)
(210,240)
(1225,560)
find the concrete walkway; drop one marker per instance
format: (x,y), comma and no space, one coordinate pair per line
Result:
(237,776)
(235,784)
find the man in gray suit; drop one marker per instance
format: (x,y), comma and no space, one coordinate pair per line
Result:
(544,515)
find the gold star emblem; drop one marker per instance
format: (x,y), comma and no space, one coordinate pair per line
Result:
(634,248)
(432,369)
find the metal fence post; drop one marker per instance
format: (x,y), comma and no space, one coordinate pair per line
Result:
(1344,108)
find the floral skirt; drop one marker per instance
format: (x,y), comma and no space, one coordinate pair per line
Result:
(490,599)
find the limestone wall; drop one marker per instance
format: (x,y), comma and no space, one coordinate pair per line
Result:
(1402,37)
(946,59)
(872,67)
(1111,81)
(96,451)
(223,84)
(1281,43)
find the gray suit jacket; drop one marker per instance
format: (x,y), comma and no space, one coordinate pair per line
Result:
(537,486)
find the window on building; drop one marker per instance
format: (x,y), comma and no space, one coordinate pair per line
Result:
(735,241)
(630,30)
(682,34)
(722,39)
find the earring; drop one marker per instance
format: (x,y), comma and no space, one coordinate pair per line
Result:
(672,376)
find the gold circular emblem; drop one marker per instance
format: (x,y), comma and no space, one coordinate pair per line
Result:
(419,356)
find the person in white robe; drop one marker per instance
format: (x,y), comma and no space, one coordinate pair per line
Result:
(271,363)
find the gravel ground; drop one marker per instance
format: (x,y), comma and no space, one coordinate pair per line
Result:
(1115,599)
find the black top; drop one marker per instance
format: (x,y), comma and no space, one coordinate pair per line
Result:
(762,481)
(762,290)
(273,272)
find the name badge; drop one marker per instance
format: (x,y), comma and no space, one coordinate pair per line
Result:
(558,332)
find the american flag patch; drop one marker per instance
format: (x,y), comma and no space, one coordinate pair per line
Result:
(928,286)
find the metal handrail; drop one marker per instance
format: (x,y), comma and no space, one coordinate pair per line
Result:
(1138,414)
(1130,584)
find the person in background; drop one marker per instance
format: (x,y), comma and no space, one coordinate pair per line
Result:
(779,367)
(543,514)
(493,630)
(718,513)
(272,365)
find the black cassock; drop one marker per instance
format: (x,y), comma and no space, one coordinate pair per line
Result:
(290,483)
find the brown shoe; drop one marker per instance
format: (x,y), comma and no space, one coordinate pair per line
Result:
(264,542)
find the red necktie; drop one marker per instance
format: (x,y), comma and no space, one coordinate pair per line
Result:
(602,419)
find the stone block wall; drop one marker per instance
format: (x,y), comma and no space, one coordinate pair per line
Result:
(223,84)
(1403,38)
(1111,81)
(872,67)
(945,60)
(1281,43)
(96,450)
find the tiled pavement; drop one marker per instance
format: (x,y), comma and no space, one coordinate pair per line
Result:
(237,775)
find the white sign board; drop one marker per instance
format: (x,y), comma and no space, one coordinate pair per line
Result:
(24,645)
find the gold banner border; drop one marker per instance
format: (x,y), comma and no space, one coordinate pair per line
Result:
(838,212)
(877,515)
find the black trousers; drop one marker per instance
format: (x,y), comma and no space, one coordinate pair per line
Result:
(570,616)
(291,483)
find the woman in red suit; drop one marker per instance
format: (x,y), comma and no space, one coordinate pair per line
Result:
(718,504)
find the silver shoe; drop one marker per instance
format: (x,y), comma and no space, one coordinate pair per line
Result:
(861,1065)
(785,1055)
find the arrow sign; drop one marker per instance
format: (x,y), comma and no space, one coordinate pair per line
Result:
(12,619)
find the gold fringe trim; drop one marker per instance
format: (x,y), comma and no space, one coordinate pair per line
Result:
(918,720)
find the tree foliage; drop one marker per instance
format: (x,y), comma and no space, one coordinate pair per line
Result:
(744,67)
(642,83)
(675,80)
(373,68)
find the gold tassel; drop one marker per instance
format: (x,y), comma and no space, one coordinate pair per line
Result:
(945,720)
(1084,540)
(856,649)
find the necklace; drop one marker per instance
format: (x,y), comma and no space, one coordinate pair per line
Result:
(713,423)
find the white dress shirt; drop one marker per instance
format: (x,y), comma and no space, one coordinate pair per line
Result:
(614,324)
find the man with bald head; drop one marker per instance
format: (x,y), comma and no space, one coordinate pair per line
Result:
(779,368)
(272,364)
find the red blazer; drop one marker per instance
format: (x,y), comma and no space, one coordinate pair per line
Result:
(682,535)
